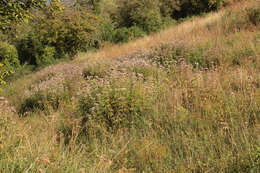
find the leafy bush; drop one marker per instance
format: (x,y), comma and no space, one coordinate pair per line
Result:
(197,7)
(168,7)
(149,20)
(108,108)
(3,74)
(9,55)
(53,38)
(11,11)
(77,32)
(136,32)
(114,106)
(121,35)
(8,61)
(36,102)
(180,9)
(125,34)
(29,48)
(47,56)
(33,51)
(41,102)
(142,13)
(107,30)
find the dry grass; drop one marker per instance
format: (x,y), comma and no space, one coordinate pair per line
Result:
(199,119)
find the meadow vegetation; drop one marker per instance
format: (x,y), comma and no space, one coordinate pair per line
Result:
(183,99)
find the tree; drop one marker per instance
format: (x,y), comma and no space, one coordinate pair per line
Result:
(14,11)
(17,10)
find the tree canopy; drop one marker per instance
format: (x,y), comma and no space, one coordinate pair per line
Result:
(17,10)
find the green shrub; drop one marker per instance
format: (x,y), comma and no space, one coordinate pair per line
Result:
(8,61)
(3,37)
(34,52)
(53,38)
(168,7)
(41,102)
(36,102)
(216,4)
(125,34)
(9,55)
(149,20)
(29,48)
(201,58)
(46,57)
(3,74)
(182,9)
(136,32)
(121,35)
(78,31)
(107,30)
(114,107)
(142,13)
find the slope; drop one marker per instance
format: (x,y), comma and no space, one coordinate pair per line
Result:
(182,100)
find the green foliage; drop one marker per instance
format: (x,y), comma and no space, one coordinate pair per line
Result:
(16,11)
(184,8)
(9,55)
(8,60)
(52,38)
(41,102)
(121,35)
(32,51)
(62,29)
(172,119)
(168,7)
(36,102)
(216,4)
(114,107)
(29,48)
(107,31)
(142,13)
(75,32)
(3,74)
(47,56)
(125,34)
(136,32)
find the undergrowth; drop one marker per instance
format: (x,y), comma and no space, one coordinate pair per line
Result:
(183,106)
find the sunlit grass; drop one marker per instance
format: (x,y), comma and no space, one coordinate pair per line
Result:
(188,117)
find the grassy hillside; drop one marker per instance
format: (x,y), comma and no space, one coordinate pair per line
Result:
(186,99)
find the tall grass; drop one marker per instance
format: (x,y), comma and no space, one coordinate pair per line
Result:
(190,104)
